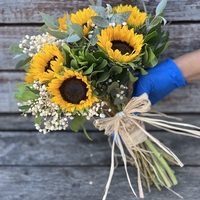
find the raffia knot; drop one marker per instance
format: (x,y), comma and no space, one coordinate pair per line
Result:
(125,123)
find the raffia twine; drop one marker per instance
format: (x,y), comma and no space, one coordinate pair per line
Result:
(128,126)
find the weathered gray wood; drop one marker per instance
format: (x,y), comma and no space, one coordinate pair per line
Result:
(86,183)
(17,122)
(67,148)
(185,38)
(23,11)
(185,99)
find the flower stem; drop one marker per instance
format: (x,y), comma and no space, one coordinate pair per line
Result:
(163,163)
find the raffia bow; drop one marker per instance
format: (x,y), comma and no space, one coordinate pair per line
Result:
(128,126)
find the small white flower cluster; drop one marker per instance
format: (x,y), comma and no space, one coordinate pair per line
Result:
(52,116)
(122,92)
(96,110)
(33,44)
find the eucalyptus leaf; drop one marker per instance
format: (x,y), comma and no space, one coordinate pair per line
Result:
(57,34)
(21,63)
(77,28)
(100,21)
(50,21)
(42,28)
(160,7)
(94,38)
(99,10)
(15,49)
(72,38)
(119,18)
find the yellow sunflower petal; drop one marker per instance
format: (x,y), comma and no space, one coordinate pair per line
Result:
(136,17)
(83,18)
(62,23)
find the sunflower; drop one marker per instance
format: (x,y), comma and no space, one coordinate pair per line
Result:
(83,18)
(71,91)
(120,43)
(62,23)
(29,78)
(136,17)
(46,63)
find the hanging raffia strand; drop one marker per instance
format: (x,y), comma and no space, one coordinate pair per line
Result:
(127,128)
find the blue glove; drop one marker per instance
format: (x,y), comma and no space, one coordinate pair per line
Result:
(160,81)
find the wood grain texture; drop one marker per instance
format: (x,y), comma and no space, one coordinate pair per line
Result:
(17,122)
(31,148)
(86,183)
(27,11)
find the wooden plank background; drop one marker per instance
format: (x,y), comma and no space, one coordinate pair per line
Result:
(65,165)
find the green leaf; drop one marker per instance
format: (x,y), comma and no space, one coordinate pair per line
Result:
(77,28)
(162,48)
(77,122)
(38,119)
(50,21)
(103,77)
(118,101)
(15,49)
(94,38)
(132,78)
(100,21)
(160,7)
(59,35)
(116,69)
(21,63)
(43,28)
(164,36)
(24,108)
(18,96)
(112,86)
(149,36)
(86,134)
(99,10)
(28,95)
(72,38)
(119,18)
(89,70)
(143,71)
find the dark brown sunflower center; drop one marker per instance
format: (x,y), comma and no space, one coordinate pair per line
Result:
(73,90)
(123,47)
(48,66)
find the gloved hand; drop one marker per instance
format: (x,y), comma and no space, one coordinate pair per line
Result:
(160,81)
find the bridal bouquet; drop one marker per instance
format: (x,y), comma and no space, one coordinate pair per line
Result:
(82,66)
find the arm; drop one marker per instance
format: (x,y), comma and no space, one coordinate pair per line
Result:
(189,65)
